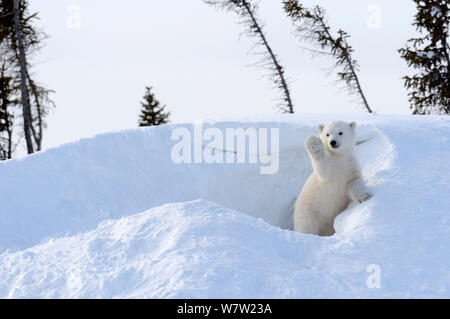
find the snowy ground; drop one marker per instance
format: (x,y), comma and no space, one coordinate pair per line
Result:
(114,217)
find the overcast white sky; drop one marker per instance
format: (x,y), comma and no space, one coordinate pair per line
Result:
(198,64)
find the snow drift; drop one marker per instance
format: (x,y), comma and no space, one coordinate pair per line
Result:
(71,223)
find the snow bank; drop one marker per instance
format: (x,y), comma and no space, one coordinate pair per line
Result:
(175,250)
(74,187)
(76,234)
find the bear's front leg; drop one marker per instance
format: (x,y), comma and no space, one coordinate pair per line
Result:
(315,147)
(358,191)
(320,162)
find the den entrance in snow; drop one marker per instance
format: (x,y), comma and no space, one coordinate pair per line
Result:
(272,197)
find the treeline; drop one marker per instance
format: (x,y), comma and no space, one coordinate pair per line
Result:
(428,89)
(24,103)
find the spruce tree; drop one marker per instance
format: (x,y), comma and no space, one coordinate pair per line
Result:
(152,112)
(312,26)
(429,88)
(19,40)
(247,12)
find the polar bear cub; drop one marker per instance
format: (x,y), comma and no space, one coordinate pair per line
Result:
(336,179)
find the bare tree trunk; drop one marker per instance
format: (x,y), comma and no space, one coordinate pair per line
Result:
(10,144)
(447,58)
(23,79)
(37,136)
(10,137)
(360,91)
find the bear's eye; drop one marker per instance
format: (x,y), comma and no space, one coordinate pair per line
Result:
(328,135)
(340,133)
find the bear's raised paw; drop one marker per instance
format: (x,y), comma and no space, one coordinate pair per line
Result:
(314,146)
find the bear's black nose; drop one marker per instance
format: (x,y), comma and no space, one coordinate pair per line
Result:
(333,143)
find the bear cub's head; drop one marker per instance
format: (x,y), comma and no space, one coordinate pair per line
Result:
(338,136)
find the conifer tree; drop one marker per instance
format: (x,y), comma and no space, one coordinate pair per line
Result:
(247,11)
(19,40)
(429,88)
(152,112)
(312,26)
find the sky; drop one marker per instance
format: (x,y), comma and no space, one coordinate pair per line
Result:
(100,55)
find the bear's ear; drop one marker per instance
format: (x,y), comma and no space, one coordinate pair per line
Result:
(320,127)
(352,125)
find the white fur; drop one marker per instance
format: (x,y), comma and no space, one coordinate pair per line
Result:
(336,180)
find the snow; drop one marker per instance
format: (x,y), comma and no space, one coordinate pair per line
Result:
(428,54)
(436,12)
(114,217)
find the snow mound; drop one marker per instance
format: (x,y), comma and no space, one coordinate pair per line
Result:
(176,250)
(74,187)
(77,233)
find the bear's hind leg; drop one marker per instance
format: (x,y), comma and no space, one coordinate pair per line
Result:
(306,221)
(327,229)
